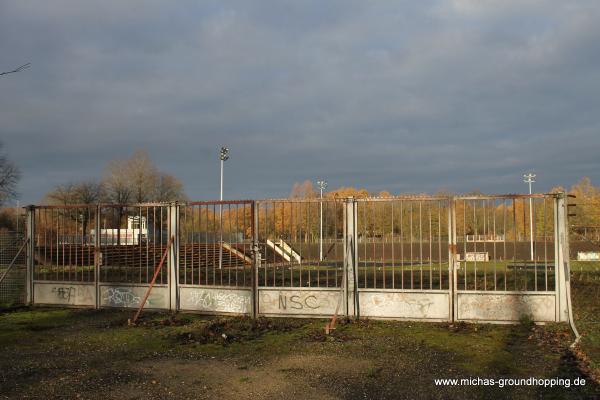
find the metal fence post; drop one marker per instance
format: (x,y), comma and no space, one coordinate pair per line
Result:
(97,256)
(255,259)
(173,259)
(351,304)
(561,257)
(452,261)
(30,254)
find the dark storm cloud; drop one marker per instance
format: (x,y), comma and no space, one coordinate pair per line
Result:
(400,96)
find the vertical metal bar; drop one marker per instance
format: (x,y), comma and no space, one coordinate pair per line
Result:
(515,228)
(464,260)
(533,210)
(402,243)
(545,248)
(30,254)
(440,243)
(173,259)
(430,244)
(475,242)
(494,246)
(393,245)
(254,221)
(411,247)
(364,238)
(485,233)
(97,256)
(383,204)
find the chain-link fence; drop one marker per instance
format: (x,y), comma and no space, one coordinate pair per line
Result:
(12,268)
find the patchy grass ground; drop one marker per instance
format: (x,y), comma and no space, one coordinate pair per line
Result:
(59,353)
(56,353)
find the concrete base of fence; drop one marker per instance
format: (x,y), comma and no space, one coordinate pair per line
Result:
(505,307)
(128,296)
(217,300)
(65,294)
(411,305)
(299,302)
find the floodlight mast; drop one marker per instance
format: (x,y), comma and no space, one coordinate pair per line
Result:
(530,178)
(322,185)
(223,156)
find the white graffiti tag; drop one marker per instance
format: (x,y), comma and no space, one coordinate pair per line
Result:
(120,297)
(219,301)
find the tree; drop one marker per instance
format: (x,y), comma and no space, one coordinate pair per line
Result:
(63,194)
(9,177)
(168,188)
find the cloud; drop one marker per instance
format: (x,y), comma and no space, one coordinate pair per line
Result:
(398,96)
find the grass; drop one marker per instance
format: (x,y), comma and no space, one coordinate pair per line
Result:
(70,353)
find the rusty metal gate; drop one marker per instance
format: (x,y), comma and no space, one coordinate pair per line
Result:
(472,258)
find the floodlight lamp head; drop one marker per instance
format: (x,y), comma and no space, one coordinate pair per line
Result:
(322,184)
(529,178)
(224,154)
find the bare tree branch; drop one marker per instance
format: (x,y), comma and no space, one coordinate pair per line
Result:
(19,69)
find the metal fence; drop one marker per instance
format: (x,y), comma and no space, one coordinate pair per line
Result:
(523,260)
(482,258)
(300,242)
(12,268)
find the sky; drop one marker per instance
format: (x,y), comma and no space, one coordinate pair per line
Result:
(403,96)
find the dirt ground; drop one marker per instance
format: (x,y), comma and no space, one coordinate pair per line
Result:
(87,354)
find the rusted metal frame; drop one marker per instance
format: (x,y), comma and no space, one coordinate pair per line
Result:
(399,198)
(383,240)
(507,196)
(156,272)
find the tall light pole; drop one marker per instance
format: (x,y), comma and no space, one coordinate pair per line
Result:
(530,178)
(322,186)
(224,156)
